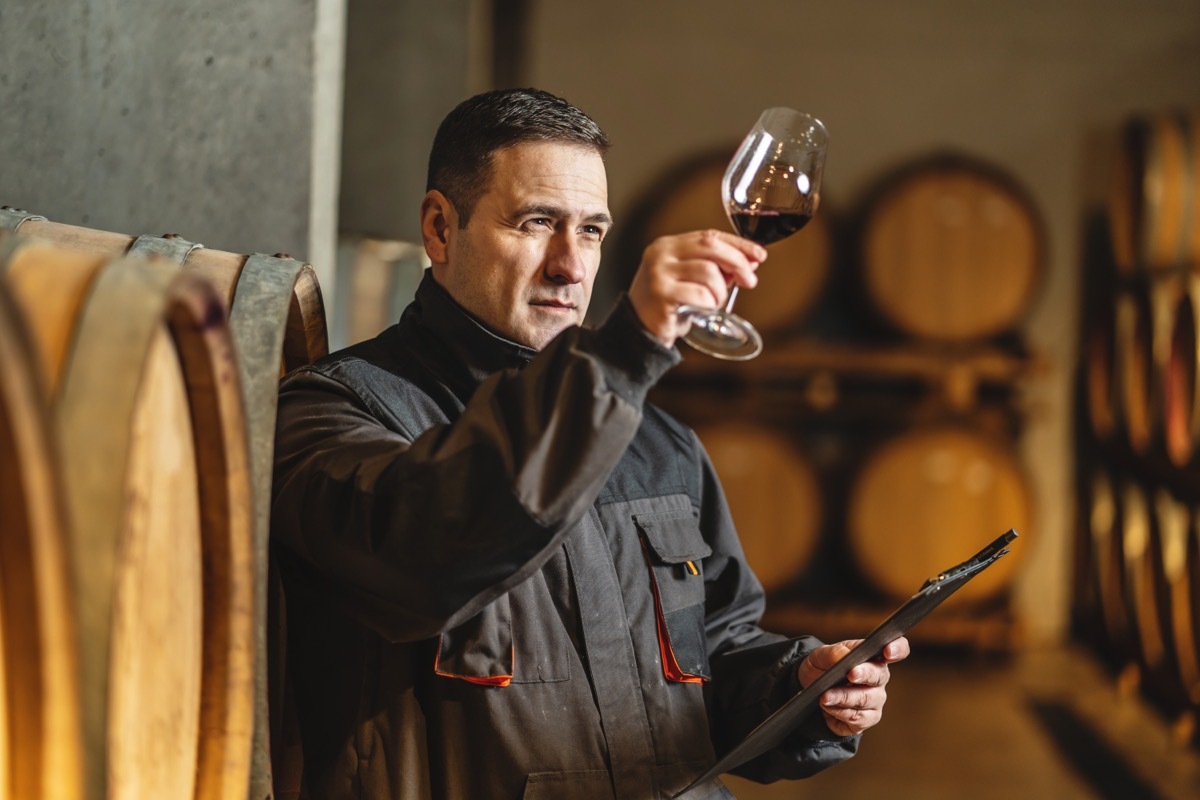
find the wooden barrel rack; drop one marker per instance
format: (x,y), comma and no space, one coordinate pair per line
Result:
(1137,577)
(841,377)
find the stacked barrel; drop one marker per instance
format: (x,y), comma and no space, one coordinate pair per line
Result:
(872,444)
(952,254)
(1138,548)
(376,280)
(137,401)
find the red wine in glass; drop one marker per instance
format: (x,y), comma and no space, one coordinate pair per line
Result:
(770,190)
(767,227)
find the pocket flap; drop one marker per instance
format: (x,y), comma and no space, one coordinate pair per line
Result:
(481,649)
(673,536)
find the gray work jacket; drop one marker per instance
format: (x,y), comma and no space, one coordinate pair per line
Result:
(508,576)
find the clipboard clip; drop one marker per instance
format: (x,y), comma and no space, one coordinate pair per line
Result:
(966,569)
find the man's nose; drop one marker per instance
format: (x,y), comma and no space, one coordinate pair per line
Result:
(565,261)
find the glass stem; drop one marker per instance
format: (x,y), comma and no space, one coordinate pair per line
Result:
(728,307)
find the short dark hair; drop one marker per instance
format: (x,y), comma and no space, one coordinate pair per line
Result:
(460,161)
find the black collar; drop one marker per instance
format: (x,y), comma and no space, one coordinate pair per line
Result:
(459,347)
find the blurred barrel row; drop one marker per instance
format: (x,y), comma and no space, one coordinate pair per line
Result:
(137,405)
(899,501)
(1137,593)
(1137,584)
(947,250)
(874,442)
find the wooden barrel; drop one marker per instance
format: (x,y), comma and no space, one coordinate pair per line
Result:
(1181,379)
(147,411)
(1142,553)
(245,282)
(1177,589)
(795,271)
(1100,384)
(929,498)
(1133,368)
(278,323)
(952,251)
(41,742)
(1154,197)
(377,278)
(1086,616)
(773,494)
(1107,573)
(1144,335)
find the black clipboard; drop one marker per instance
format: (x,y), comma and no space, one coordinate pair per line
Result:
(932,593)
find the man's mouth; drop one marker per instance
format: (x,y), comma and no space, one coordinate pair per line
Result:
(563,304)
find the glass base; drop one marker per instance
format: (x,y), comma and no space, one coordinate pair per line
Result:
(721,334)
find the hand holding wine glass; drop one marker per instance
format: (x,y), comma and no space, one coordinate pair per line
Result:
(770,190)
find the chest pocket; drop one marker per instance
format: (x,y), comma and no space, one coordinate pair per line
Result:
(583,785)
(516,639)
(675,550)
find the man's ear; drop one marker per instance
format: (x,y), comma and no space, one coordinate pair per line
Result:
(437,217)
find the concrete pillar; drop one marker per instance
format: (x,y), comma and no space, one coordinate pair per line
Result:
(407,64)
(214,119)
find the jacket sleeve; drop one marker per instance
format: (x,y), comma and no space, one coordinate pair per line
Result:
(754,671)
(413,536)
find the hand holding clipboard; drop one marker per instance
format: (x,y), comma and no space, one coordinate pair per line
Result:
(932,593)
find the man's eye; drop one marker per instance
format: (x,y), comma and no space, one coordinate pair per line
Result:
(540,222)
(593,231)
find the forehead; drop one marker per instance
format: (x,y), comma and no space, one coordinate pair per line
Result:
(568,173)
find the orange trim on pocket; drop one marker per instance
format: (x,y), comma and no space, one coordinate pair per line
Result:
(481,680)
(670,664)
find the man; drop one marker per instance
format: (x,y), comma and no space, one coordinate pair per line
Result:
(507,575)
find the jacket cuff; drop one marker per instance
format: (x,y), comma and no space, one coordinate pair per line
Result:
(634,357)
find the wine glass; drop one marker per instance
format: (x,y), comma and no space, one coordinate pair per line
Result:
(770,190)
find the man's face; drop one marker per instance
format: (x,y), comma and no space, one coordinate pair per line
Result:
(525,263)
